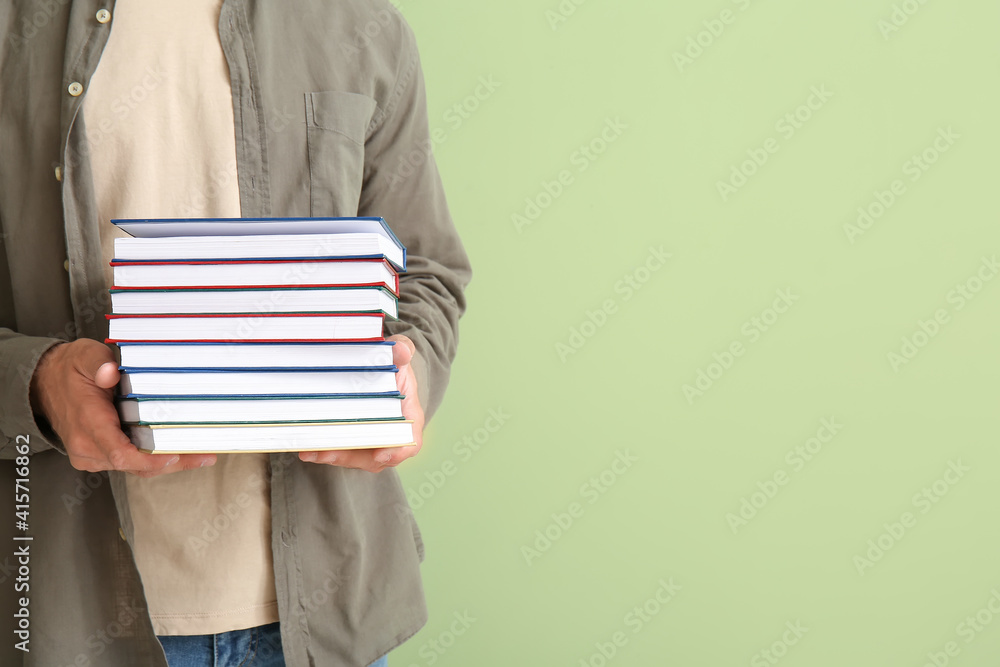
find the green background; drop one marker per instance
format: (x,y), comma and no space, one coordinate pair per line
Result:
(655,185)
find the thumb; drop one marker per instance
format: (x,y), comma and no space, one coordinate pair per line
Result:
(402,351)
(107,375)
(97,363)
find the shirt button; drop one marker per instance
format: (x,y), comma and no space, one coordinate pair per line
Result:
(59,172)
(66,265)
(103,16)
(75,89)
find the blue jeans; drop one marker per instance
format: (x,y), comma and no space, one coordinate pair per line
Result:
(253,647)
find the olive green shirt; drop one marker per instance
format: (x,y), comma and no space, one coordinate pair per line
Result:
(331,120)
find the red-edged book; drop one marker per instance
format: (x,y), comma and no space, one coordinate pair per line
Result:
(296,299)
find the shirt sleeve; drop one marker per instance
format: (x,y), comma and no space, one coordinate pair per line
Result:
(402,185)
(19,356)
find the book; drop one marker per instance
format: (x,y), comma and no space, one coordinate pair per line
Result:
(354,246)
(257,381)
(294,437)
(253,299)
(261,238)
(239,335)
(245,326)
(184,354)
(256,273)
(173,227)
(247,409)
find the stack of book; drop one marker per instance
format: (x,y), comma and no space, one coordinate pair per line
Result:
(257,335)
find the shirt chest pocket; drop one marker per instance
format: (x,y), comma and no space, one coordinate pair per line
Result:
(336,125)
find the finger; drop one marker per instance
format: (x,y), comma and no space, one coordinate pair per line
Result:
(93,428)
(393,456)
(406,383)
(107,375)
(402,351)
(127,458)
(92,359)
(360,459)
(121,454)
(181,463)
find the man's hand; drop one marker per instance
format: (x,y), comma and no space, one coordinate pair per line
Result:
(72,388)
(374,460)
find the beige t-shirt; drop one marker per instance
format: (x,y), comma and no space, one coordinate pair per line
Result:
(159,119)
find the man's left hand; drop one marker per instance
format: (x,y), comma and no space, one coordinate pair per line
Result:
(374,460)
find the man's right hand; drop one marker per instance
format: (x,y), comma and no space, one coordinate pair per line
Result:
(72,388)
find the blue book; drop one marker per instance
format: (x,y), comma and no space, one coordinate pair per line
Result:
(258,381)
(191,239)
(288,354)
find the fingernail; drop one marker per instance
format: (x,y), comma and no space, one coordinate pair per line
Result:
(382,458)
(205,462)
(172,461)
(310,458)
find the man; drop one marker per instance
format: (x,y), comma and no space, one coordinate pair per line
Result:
(186,109)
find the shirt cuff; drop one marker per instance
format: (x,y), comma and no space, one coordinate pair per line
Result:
(20,355)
